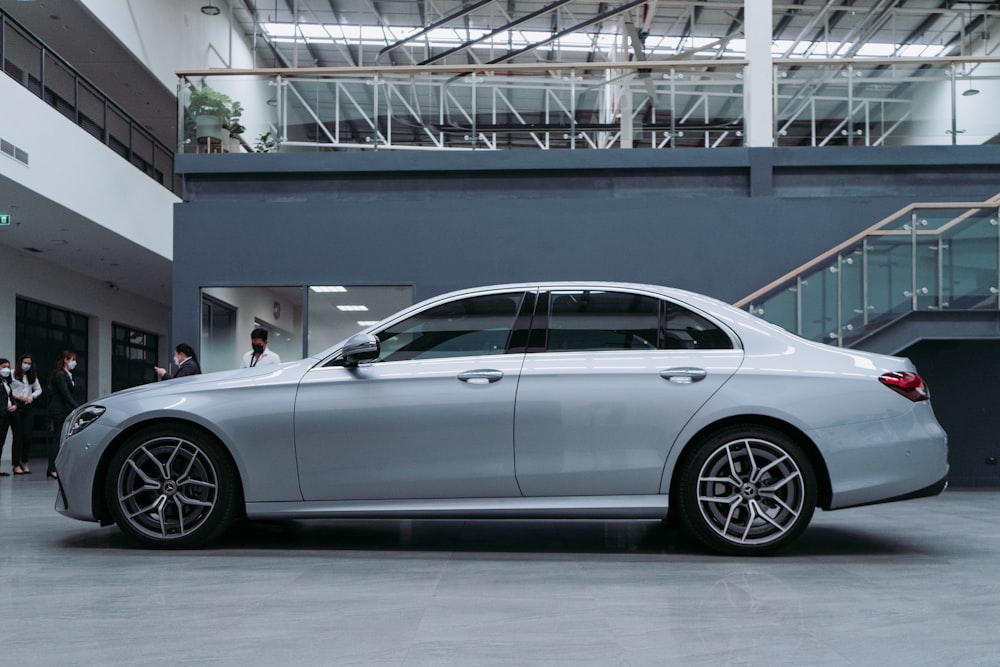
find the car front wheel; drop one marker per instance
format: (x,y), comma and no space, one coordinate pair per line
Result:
(171,487)
(747,490)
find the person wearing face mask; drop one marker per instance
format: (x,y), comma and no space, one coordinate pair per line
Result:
(25,389)
(61,403)
(259,355)
(7,405)
(185,363)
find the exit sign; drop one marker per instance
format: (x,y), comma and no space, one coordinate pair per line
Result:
(4,220)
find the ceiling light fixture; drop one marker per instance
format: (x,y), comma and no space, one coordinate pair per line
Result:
(210,10)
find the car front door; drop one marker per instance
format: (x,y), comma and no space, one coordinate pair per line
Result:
(431,417)
(609,384)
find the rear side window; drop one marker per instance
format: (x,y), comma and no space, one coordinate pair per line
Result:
(599,320)
(467,327)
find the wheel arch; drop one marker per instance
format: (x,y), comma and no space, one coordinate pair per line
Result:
(101,511)
(824,490)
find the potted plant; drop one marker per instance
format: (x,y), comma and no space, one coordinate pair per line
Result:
(213,114)
(265,143)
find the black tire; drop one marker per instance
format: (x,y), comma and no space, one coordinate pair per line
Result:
(747,490)
(172,487)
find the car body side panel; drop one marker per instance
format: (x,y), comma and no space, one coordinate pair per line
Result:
(875,443)
(602,422)
(249,412)
(408,429)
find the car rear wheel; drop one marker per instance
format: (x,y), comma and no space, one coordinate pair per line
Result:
(172,487)
(747,490)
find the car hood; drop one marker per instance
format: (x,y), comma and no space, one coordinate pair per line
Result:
(278,373)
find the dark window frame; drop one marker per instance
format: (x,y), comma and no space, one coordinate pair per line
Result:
(127,369)
(668,337)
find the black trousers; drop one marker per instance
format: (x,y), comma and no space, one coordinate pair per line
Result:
(5,425)
(23,427)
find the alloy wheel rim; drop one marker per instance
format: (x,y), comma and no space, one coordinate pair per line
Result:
(167,488)
(750,492)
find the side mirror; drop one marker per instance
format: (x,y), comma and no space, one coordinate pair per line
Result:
(359,347)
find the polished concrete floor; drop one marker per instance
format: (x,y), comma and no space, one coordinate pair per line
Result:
(913,583)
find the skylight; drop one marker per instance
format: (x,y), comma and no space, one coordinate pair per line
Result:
(584,42)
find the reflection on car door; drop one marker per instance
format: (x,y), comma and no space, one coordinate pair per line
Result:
(618,376)
(432,417)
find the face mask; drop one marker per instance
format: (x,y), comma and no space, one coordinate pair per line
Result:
(177,361)
(71,365)
(25,367)
(258,349)
(4,372)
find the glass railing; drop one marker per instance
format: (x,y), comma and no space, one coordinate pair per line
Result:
(945,101)
(926,257)
(579,106)
(648,104)
(32,64)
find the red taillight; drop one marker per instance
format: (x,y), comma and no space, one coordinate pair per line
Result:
(906,383)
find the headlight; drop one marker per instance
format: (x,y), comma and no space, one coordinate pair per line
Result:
(84,418)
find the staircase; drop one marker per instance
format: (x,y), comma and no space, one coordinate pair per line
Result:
(928,266)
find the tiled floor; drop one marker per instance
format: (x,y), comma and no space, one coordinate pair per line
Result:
(913,583)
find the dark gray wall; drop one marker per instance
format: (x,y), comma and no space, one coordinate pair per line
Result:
(723,222)
(964,404)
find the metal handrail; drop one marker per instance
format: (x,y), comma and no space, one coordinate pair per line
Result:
(134,126)
(785,280)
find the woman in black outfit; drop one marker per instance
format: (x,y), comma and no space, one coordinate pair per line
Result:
(61,402)
(25,389)
(7,406)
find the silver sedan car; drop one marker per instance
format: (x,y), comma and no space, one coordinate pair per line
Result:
(554,400)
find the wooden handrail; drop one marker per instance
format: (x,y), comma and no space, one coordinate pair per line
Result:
(453,69)
(548,66)
(972,206)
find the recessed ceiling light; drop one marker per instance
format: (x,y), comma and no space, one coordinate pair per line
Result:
(326,289)
(352,308)
(366,323)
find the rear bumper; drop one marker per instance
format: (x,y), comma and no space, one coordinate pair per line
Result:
(884,460)
(935,489)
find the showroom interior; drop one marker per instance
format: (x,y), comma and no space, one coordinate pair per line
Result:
(832,166)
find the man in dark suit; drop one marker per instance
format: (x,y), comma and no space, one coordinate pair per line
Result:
(184,361)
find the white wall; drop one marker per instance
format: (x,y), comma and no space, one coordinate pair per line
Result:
(976,120)
(71,168)
(26,276)
(175,35)
(167,36)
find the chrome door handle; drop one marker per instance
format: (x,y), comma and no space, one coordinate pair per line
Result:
(480,376)
(685,375)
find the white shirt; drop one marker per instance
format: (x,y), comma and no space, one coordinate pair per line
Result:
(22,390)
(267,358)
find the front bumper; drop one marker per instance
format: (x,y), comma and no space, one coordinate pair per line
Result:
(78,464)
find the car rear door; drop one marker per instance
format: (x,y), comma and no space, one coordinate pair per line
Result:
(610,380)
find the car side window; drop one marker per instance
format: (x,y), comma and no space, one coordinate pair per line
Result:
(466,327)
(683,329)
(603,320)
